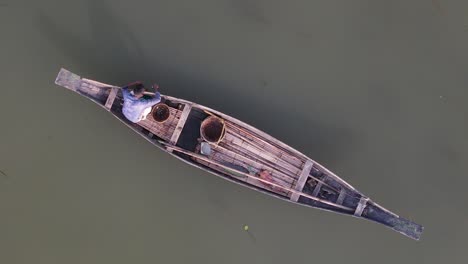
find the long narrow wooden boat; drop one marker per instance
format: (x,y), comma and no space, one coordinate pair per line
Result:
(244,155)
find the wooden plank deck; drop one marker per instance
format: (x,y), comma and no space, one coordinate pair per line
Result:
(242,148)
(266,145)
(163,130)
(180,123)
(111,98)
(341,196)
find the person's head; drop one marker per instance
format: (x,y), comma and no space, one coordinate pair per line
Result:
(139,90)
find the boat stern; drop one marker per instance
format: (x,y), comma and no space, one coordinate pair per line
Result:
(68,79)
(399,224)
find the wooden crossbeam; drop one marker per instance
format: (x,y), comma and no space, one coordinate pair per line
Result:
(362,204)
(317,189)
(302,180)
(111,98)
(341,196)
(180,125)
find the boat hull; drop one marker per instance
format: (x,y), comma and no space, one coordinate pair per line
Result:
(243,155)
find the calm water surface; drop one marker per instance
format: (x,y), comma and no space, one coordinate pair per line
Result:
(374,90)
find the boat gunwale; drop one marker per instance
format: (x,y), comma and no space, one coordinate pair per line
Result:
(192,162)
(231,178)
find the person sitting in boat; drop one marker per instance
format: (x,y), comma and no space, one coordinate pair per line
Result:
(136,107)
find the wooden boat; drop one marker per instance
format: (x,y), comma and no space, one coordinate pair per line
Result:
(242,154)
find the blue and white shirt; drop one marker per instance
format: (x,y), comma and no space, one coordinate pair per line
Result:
(133,107)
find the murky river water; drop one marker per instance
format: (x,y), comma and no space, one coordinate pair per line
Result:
(374,90)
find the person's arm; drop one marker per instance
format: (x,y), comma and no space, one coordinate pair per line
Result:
(125,92)
(152,101)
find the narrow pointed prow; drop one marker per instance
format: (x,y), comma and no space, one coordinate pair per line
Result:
(407,228)
(399,224)
(68,79)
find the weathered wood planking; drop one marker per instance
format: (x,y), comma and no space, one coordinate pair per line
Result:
(362,204)
(269,156)
(264,137)
(341,196)
(266,145)
(219,157)
(98,94)
(257,182)
(111,98)
(181,123)
(163,130)
(250,180)
(238,145)
(255,164)
(252,156)
(302,180)
(68,80)
(221,154)
(259,164)
(266,182)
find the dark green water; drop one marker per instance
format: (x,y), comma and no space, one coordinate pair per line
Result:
(374,90)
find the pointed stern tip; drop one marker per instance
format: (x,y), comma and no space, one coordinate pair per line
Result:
(398,224)
(67,79)
(60,76)
(407,227)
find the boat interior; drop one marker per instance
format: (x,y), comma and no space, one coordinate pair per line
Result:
(232,149)
(242,154)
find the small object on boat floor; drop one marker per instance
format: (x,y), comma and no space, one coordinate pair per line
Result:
(246,228)
(237,168)
(212,129)
(266,175)
(161,112)
(205,149)
(312,183)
